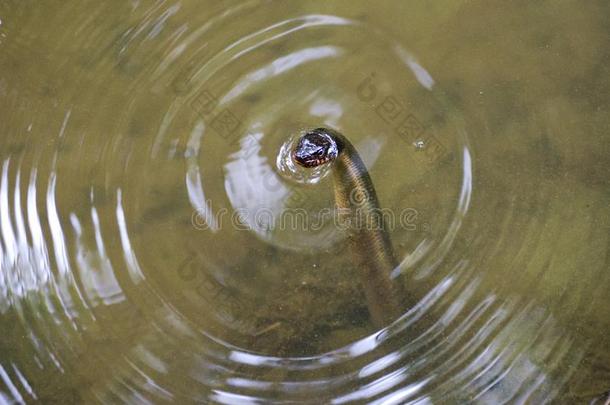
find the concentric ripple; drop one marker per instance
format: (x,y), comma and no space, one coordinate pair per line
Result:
(157,243)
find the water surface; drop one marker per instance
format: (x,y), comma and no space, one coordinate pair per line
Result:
(157,245)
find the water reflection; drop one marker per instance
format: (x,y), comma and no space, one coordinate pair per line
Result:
(145,162)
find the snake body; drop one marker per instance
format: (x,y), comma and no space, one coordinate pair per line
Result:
(359,210)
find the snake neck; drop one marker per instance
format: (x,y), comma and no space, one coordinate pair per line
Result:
(359,213)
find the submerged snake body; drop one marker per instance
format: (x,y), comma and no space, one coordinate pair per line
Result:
(359,209)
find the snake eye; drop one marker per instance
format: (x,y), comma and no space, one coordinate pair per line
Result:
(315,148)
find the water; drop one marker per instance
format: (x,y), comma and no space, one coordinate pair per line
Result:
(157,244)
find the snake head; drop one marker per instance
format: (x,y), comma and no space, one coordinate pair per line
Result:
(315,148)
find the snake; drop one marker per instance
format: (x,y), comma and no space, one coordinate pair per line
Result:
(359,213)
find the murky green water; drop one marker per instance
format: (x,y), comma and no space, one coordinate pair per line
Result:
(156,244)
